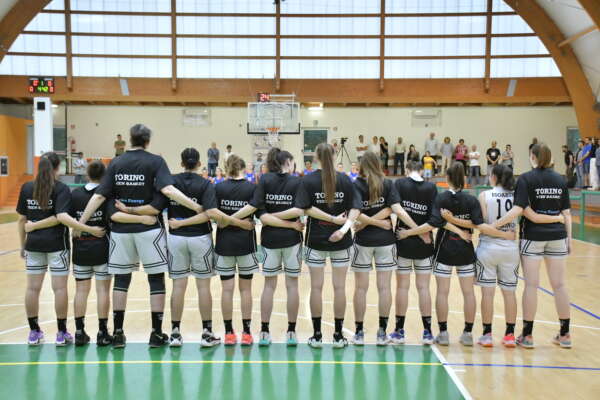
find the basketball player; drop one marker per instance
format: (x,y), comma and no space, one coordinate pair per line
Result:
(43,208)
(236,248)
(415,253)
(191,247)
(281,238)
(325,195)
(133,178)
(545,192)
(90,259)
(451,251)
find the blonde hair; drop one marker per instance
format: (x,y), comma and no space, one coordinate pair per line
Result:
(370,169)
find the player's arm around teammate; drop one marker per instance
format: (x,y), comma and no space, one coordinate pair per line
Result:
(374,244)
(325,194)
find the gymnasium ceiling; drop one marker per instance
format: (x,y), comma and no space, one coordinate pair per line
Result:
(432,52)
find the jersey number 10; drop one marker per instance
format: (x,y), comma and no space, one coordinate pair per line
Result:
(507,206)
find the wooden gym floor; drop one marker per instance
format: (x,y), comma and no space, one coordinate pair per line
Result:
(407,372)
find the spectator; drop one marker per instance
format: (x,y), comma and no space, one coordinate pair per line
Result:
(493,158)
(432,145)
(213,159)
(384,154)
(569,163)
(375,148)
(447,150)
(361,147)
(508,158)
(249,175)
(585,160)
(460,153)
(219,177)
(428,166)
(119,146)
(579,165)
(534,141)
(308,168)
(80,168)
(205,174)
(354,170)
(474,166)
(413,154)
(340,168)
(227,153)
(399,153)
(598,162)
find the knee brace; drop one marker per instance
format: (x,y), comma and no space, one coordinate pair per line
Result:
(122,282)
(226,277)
(157,283)
(246,276)
(82,279)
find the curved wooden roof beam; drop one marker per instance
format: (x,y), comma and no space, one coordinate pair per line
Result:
(566,60)
(16,20)
(592,7)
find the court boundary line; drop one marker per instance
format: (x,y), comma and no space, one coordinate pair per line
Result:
(455,379)
(532,366)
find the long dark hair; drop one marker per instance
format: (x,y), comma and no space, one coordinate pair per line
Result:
(456,175)
(370,169)
(276,159)
(325,152)
(504,176)
(45,179)
(190,158)
(543,155)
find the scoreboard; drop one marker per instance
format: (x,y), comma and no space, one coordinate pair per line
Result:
(41,85)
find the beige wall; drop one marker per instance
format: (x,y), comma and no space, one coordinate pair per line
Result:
(95,127)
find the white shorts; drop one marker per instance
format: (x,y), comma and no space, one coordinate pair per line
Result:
(384,257)
(87,271)
(540,249)
(191,255)
(419,265)
(38,262)
(445,271)
(127,250)
(317,258)
(497,265)
(427,173)
(288,260)
(246,265)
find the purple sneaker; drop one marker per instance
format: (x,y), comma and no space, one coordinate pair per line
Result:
(63,338)
(35,338)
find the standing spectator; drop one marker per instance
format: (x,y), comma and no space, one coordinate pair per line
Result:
(428,166)
(474,166)
(399,153)
(361,147)
(413,154)
(119,145)
(508,158)
(249,174)
(585,160)
(308,168)
(228,152)
(460,153)
(579,165)
(447,150)
(213,159)
(432,145)
(80,168)
(493,158)
(533,143)
(569,162)
(598,163)
(375,148)
(384,154)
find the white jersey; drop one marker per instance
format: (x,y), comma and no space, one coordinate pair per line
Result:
(498,203)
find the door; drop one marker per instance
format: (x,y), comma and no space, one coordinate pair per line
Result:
(29,149)
(312,138)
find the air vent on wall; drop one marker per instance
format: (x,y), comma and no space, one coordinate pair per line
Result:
(424,118)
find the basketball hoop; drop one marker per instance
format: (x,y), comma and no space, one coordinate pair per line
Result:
(273,135)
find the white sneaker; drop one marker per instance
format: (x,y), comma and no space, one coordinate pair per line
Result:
(382,338)
(339,341)
(264,339)
(176,340)
(359,338)
(315,343)
(209,339)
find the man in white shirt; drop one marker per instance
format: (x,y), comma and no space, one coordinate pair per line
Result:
(361,147)
(227,153)
(474,166)
(375,148)
(80,168)
(433,147)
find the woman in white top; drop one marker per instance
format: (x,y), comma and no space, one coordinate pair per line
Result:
(447,149)
(474,166)
(399,152)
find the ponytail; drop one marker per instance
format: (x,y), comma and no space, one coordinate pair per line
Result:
(45,179)
(190,158)
(542,154)
(370,169)
(504,177)
(276,159)
(324,152)
(456,175)
(234,165)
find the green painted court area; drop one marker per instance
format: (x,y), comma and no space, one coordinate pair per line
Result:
(276,372)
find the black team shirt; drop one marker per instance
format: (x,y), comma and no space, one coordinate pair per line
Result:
(493,153)
(201,191)
(133,178)
(450,249)
(546,193)
(416,197)
(372,236)
(274,193)
(311,195)
(51,239)
(88,249)
(232,196)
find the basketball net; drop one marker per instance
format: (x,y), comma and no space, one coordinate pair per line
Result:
(273,136)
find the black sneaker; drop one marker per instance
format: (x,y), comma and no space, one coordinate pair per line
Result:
(103,339)
(158,339)
(81,339)
(118,340)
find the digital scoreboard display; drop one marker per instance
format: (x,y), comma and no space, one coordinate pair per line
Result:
(41,85)
(263,97)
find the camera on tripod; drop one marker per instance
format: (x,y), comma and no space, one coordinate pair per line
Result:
(343,140)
